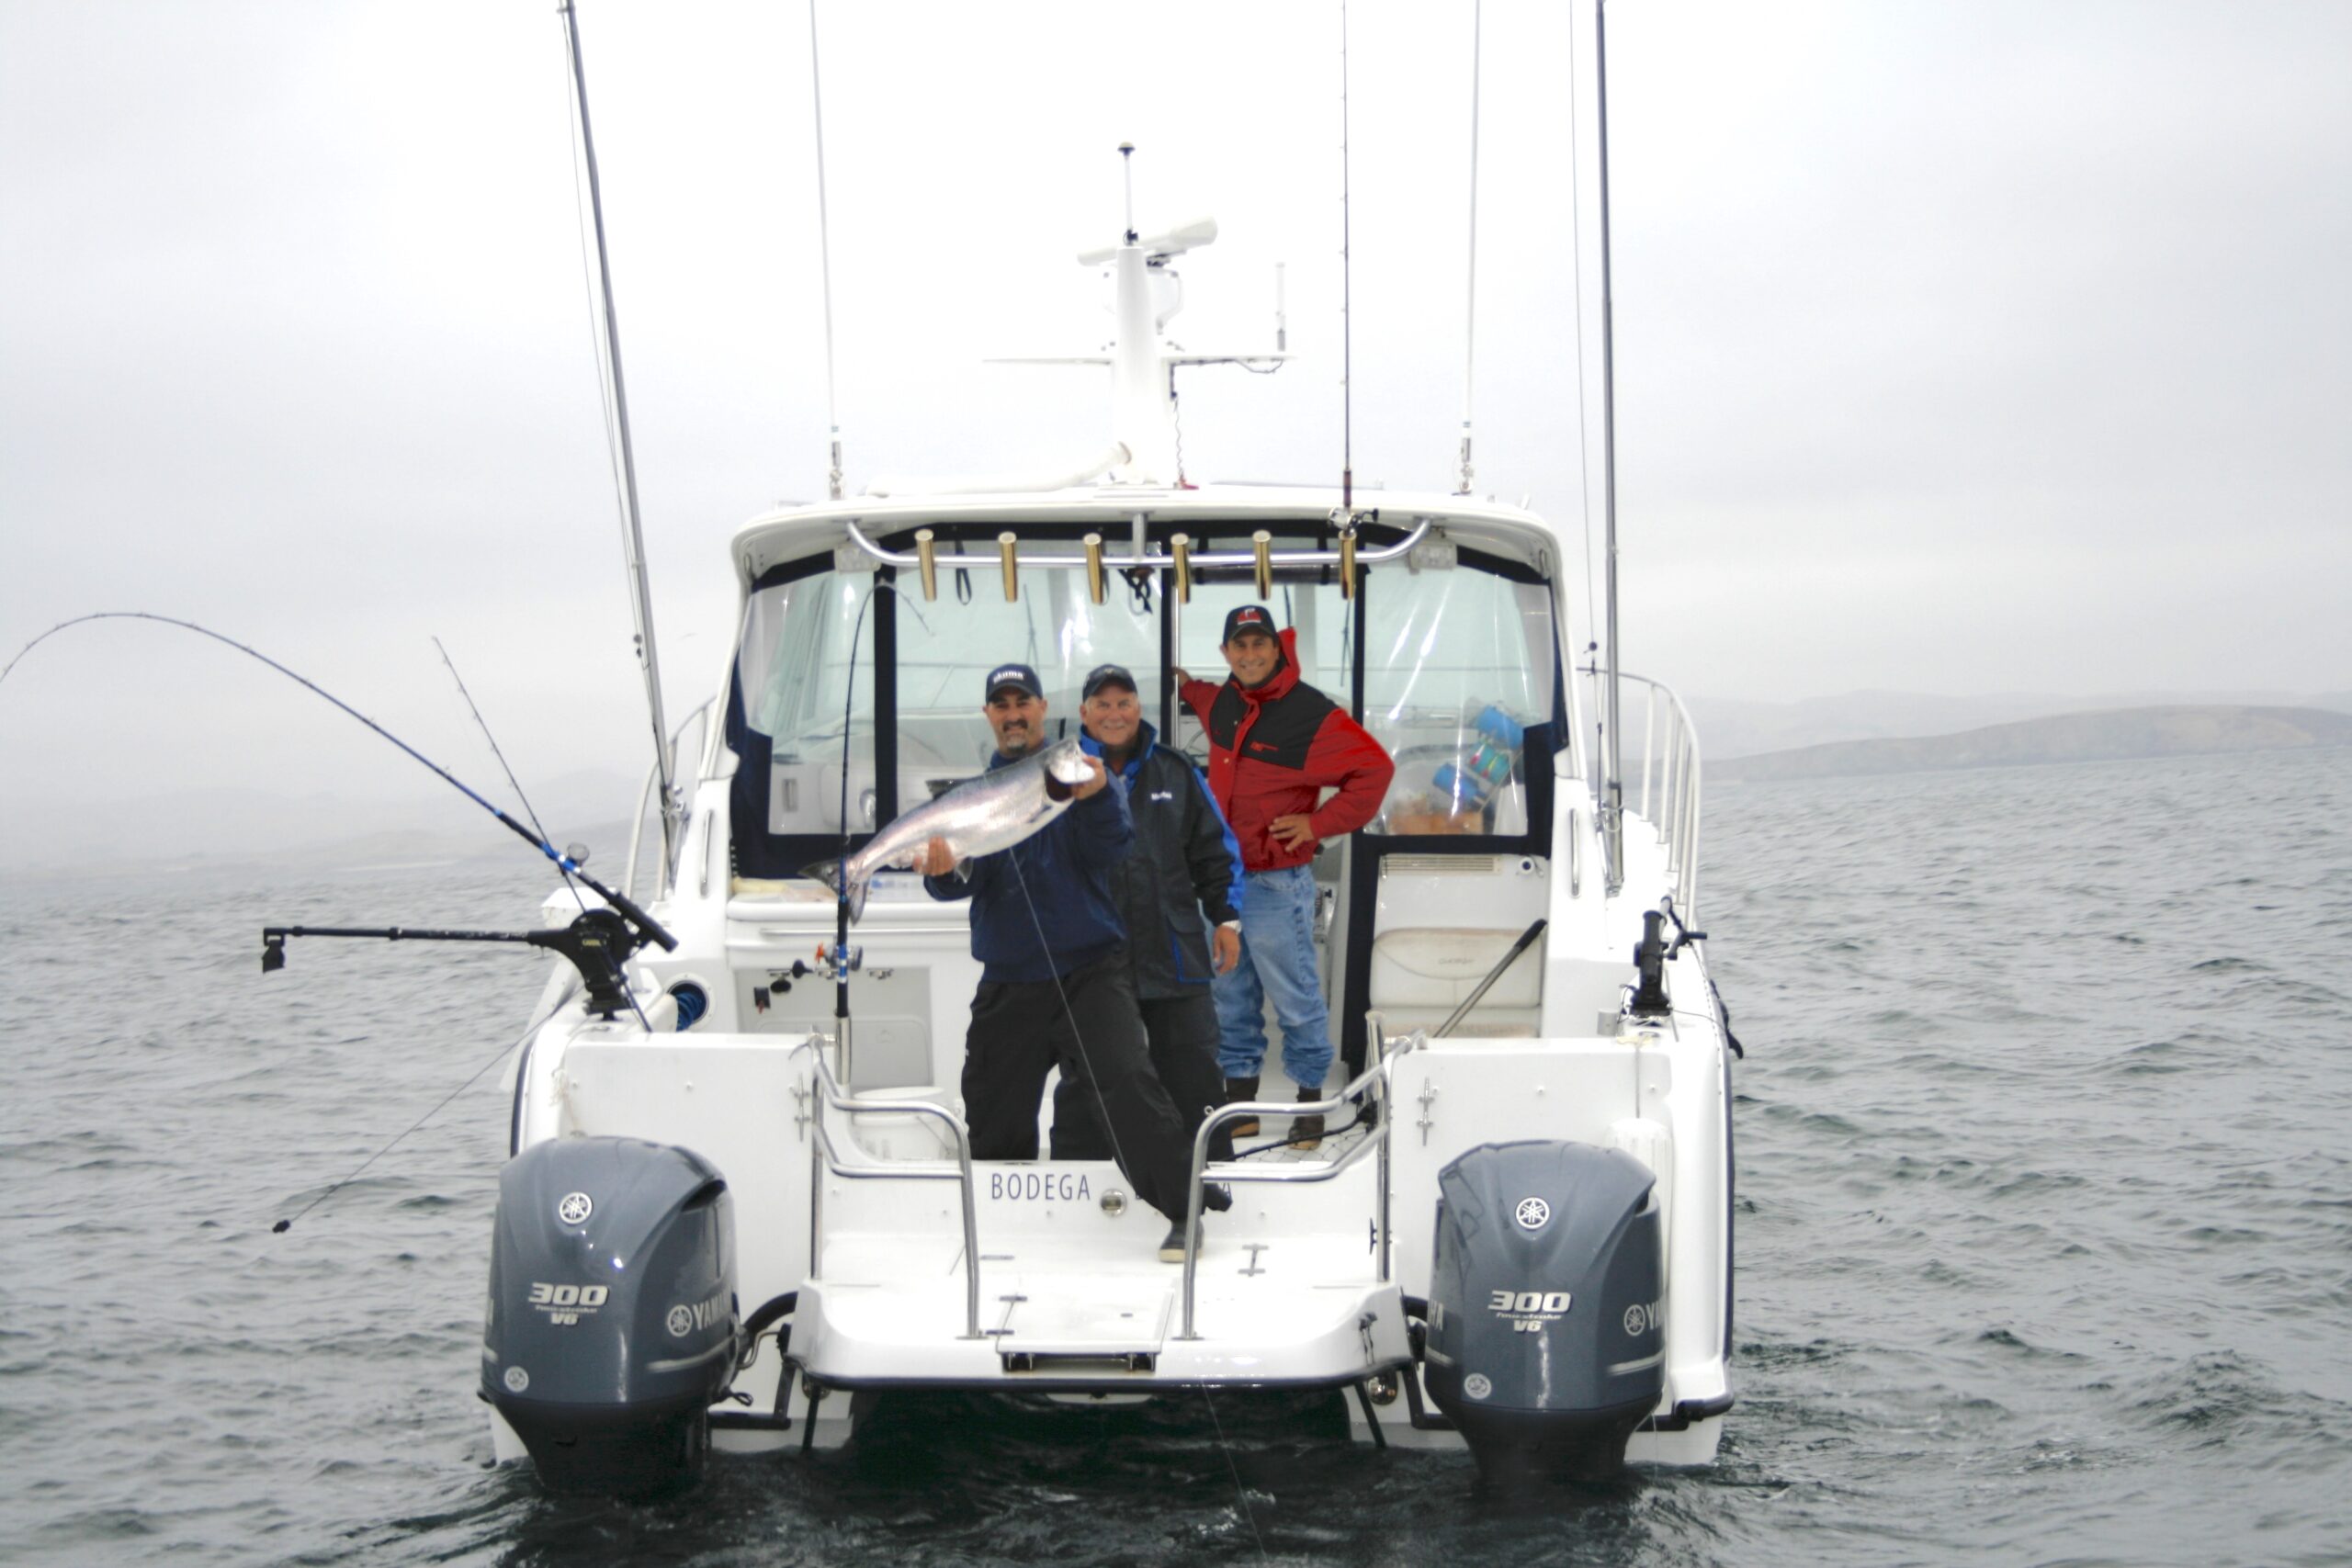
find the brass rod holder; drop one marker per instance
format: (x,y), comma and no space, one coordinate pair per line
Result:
(1095,566)
(1004,543)
(1348,562)
(1180,546)
(1262,544)
(927,557)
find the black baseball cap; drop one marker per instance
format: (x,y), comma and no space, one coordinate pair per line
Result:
(1247,618)
(1018,676)
(1103,675)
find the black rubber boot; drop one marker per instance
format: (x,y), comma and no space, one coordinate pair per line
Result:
(1235,1091)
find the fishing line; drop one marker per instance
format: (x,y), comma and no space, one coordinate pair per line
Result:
(1249,1514)
(1094,1079)
(513,783)
(627,990)
(282,1226)
(849,705)
(645,923)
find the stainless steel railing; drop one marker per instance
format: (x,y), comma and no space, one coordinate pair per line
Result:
(1666,795)
(824,1157)
(1373,1081)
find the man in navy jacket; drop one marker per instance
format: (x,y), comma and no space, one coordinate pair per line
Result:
(1053,982)
(1175,891)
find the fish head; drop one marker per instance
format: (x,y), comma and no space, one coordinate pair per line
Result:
(1066,763)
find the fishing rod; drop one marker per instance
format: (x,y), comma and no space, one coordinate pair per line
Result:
(638,928)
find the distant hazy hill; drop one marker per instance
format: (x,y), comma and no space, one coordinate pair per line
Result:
(1731,727)
(2174,731)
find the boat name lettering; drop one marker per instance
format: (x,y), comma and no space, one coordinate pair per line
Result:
(1039,1186)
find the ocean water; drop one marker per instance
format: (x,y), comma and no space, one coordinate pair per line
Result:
(2045,1188)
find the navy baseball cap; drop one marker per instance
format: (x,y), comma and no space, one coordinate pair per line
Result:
(1247,618)
(1103,675)
(1018,676)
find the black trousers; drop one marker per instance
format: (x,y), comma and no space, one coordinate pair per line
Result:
(1184,1034)
(1021,1029)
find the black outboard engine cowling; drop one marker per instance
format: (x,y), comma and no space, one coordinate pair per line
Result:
(1547,1340)
(612,1310)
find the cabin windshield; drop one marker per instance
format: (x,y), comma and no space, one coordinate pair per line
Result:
(1457,665)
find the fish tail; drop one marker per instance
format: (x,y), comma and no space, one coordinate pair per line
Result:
(831,872)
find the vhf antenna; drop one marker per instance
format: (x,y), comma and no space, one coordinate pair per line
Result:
(1347,320)
(1470,327)
(825,263)
(640,602)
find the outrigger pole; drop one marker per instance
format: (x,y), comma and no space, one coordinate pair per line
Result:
(1612,804)
(641,600)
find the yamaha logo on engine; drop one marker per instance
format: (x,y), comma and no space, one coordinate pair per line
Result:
(684,1318)
(575,1207)
(1533,1213)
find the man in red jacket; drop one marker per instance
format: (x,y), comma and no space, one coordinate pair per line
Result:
(1274,745)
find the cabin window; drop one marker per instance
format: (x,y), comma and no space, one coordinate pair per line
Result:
(800,686)
(1326,640)
(947,649)
(1458,665)
(797,680)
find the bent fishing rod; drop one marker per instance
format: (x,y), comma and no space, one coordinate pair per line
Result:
(637,927)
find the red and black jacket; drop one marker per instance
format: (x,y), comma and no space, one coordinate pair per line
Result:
(1273,749)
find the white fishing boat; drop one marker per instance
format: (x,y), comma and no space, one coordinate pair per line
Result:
(743,1200)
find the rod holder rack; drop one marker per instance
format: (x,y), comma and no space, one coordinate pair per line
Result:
(1261,557)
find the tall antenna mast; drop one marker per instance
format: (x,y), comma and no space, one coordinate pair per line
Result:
(824,260)
(1347,320)
(1470,327)
(632,533)
(1613,806)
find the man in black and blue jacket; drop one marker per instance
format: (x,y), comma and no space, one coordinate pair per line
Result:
(1053,982)
(1175,894)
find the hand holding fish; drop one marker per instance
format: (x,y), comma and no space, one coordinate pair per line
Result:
(1095,779)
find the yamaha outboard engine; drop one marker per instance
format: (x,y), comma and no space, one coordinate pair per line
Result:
(612,1310)
(1546,1342)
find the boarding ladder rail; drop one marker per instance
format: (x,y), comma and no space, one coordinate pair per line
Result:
(1375,1078)
(824,1157)
(1667,797)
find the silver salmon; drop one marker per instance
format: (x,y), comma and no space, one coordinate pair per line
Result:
(978,817)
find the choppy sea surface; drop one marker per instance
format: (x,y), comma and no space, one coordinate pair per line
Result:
(2045,1187)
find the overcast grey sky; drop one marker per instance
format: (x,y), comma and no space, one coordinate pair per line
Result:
(1961,346)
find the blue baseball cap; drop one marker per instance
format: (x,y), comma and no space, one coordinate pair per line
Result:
(1103,675)
(1018,676)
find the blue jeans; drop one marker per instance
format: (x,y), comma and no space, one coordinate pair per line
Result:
(1277,960)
